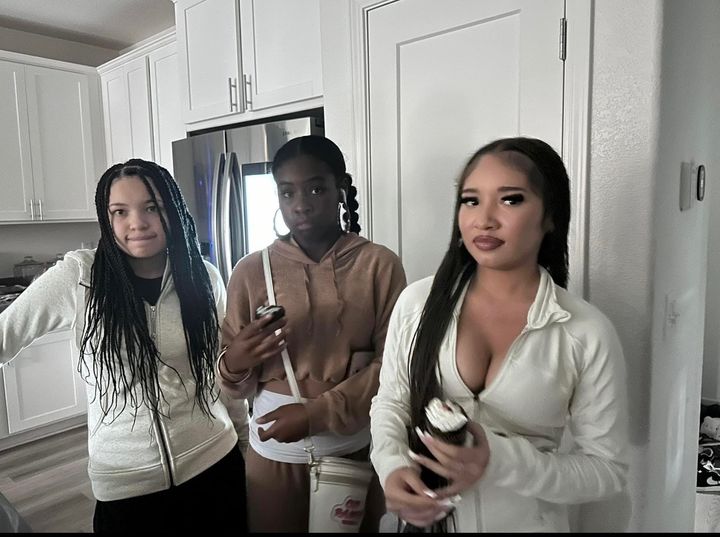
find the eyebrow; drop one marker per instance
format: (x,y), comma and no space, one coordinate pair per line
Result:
(318,178)
(501,189)
(120,204)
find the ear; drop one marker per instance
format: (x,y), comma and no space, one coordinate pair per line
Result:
(548,225)
(343,183)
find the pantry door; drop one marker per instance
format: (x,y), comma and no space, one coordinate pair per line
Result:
(443,79)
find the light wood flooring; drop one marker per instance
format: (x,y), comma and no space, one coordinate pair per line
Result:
(47,482)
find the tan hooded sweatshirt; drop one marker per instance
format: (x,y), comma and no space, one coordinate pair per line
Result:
(335,307)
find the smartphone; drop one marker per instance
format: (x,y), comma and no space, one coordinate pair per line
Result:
(275,311)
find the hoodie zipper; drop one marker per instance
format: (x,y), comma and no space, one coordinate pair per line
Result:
(156,418)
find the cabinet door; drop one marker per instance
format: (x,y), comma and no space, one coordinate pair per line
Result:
(61,141)
(42,384)
(281,54)
(207,34)
(168,124)
(444,78)
(16,169)
(126,103)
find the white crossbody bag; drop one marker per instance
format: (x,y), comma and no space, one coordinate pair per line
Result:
(338,486)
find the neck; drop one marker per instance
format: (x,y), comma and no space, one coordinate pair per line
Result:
(518,284)
(152,267)
(316,247)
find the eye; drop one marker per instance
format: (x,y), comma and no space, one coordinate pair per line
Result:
(286,194)
(513,199)
(316,190)
(152,208)
(470,201)
(118,212)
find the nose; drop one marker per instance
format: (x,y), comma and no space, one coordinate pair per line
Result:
(138,220)
(485,217)
(301,204)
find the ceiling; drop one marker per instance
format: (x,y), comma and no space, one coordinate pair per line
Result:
(113,24)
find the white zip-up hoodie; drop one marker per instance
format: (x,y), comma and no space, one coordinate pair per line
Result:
(130,455)
(566,368)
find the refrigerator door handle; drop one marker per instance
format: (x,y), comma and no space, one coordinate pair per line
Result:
(224,243)
(218,178)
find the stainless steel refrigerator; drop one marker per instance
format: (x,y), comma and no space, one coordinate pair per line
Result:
(226,180)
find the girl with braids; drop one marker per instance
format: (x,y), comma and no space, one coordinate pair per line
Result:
(496,332)
(338,290)
(145,309)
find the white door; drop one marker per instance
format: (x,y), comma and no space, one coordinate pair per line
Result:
(126,103)
(280,51)
(61,141)
(16,170)
(207,34)
(42,384)
(168,124)
(444,79)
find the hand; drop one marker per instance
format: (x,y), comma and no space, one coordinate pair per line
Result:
(408,497)
(461,466)
(255,343)
(292,423)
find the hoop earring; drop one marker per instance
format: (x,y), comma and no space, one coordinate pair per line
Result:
(277,233)
(344,224)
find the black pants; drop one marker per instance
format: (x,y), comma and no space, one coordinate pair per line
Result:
(211,501)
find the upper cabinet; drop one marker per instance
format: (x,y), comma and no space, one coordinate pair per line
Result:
(48,139)
(242,59)
(141,103)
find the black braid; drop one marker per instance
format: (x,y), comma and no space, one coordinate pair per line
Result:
(352,206)
(116,335)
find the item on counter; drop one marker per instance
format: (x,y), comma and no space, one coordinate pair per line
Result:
(708,468)
(710,427)
(446,421)
(28,268)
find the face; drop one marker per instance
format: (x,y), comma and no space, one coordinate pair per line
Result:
(135,219)
(501,217)
(309,197)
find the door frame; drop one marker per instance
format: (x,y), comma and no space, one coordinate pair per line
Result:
(575,129)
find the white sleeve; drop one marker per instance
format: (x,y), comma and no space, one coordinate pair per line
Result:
(595,467)
(390,408)
(47,305)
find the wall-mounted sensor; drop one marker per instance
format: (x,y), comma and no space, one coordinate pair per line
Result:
(701,182)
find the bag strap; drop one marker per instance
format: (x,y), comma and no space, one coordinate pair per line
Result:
(289,373)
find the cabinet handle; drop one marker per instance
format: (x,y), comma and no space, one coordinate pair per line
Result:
(32,209)
(247,91)
(41,211)
(232,85)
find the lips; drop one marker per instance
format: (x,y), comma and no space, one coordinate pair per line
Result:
(148,238)
(487,243)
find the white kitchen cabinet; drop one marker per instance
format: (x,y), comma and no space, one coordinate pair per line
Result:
(166,104)
(126,111)
(281,56)
(48,122)
(208,43)
(245,59)
(42,384)
(141,102)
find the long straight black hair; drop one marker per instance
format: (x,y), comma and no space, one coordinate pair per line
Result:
(116,333)
(547,175)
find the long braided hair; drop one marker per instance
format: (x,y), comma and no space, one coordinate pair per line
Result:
(116,333)
(325,150)
(546,174)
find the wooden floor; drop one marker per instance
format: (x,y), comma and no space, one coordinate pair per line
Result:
(47,482)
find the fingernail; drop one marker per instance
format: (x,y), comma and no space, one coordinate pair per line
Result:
(455,499)
(429,493)
(421,433)
(446,502)
(414,456)
(440,516)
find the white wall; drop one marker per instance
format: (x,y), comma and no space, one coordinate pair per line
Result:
(53,48)
(42,241)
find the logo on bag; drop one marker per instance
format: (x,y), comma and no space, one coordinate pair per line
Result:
(348,513)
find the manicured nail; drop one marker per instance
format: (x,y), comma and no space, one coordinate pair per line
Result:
(446,502)
(422,434)
(414,456)
(429,493)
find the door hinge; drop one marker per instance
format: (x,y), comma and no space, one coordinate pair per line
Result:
(563,38)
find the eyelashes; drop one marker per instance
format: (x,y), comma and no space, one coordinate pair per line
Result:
(512,199)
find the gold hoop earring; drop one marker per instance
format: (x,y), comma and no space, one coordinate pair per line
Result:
(344,222)
(275,227)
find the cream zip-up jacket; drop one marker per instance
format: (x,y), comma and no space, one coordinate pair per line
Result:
(566,368)
(130,455)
